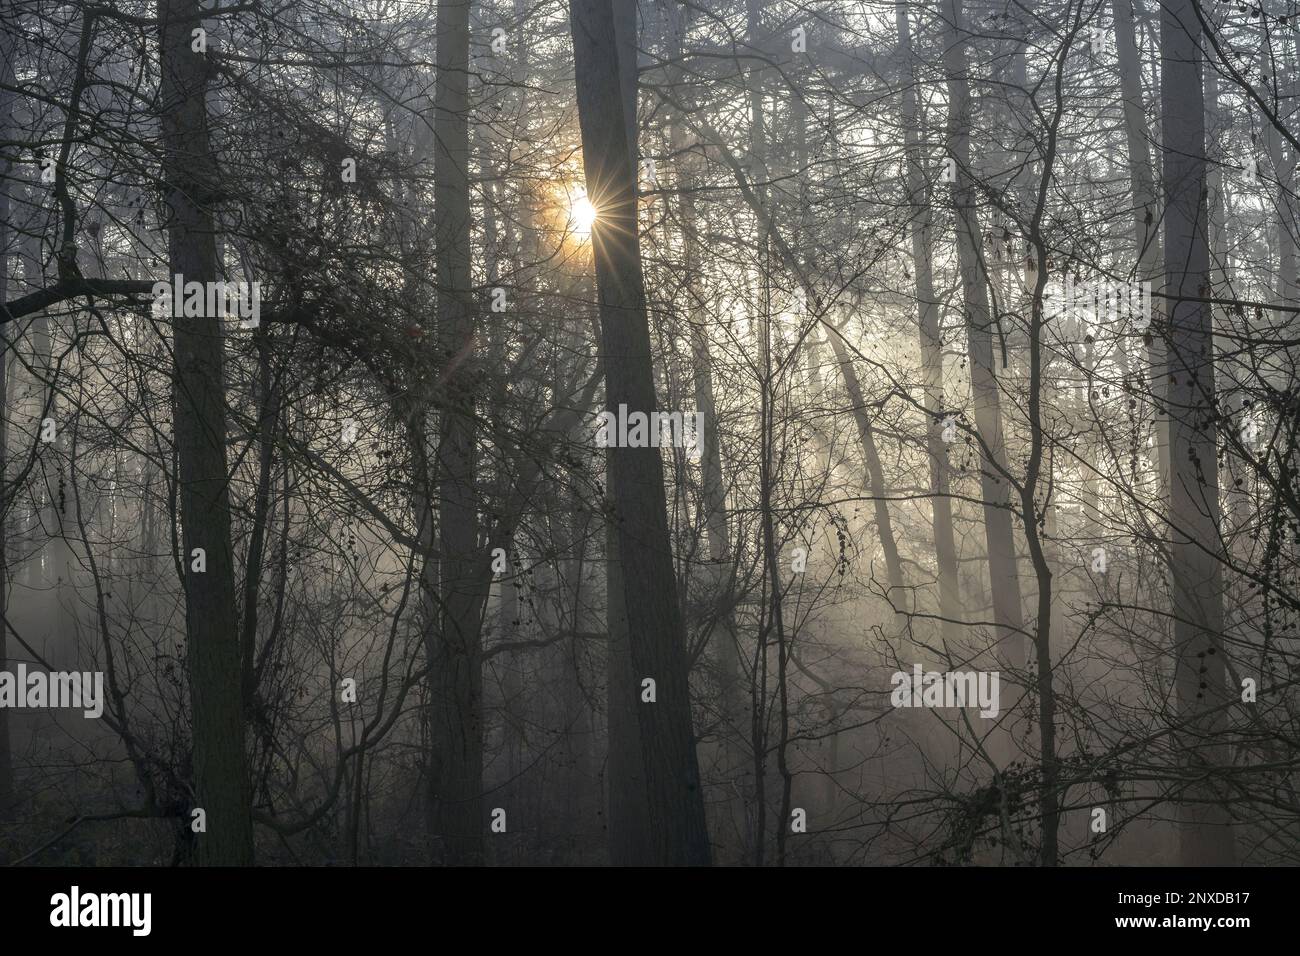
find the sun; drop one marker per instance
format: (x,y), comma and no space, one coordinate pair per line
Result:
(582,216)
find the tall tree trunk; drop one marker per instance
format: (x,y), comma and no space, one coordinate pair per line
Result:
(514,709)
(1285,219)
(931,345)
(766,480)
(655,632)
(1238,473)
(1146,216)
(732,706)
(1038,464)
(758,172)
(1004,575)
(875,483)
(268,401)
(576,743)
(220,762)
(1206,833)
(455,671)
(629,804)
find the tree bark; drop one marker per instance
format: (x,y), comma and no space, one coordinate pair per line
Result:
(455,671)
(931,347)
(220,762)
(1206,834)
(1146,216)
(1004,575)
(732,706)
(875,474)
(655,632)
(1283,172)
(628,803)
(629,807)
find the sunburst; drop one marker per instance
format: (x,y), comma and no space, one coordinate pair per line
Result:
(582,216)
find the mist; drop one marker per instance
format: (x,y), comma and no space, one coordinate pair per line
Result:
(637,433)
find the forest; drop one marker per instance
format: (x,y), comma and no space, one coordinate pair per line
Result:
(649,433)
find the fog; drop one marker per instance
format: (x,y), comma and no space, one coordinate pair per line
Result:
(631,432)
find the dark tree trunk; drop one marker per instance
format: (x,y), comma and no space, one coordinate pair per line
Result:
(213,652)
(455,673)
(655,632)
(628,804)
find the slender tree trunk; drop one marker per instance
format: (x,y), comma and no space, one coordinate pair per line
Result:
(1284,219)
(767,457)
(655,631)
(1206,833)
(1041,551)
(1146,217)
(422,504)
(875,474)
(629,805)
(455,672)
(732,706)
(220,762)
(1004,575)
(577,720)
(514,711)
(931,347)
(268,421)
(758,175)
(875,483)
(1238,473)
(726,654)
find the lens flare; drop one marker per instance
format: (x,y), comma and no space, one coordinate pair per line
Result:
(582,216)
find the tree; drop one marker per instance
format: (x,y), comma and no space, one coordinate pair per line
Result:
(1195,551)
(213,652)
(995,480)
(655,635)
(931,340)
(456,681)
